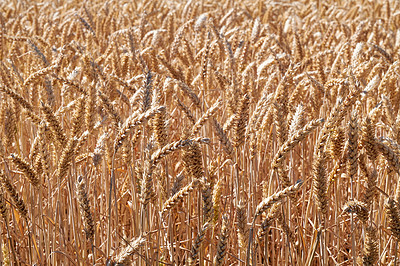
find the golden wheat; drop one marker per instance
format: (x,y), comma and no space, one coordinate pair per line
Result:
(105,106)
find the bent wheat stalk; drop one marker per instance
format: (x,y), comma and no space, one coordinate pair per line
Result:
(177,197)
(265,205)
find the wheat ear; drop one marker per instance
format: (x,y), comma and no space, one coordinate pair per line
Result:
(192,160)
(194,255)
(320,183)
(277,197)
(132,122)
(337,142)
(186,111)
(20,100)
(271,216)
(208,208)
(371,251)
(242,228)
(368,139)
(99,149)
(19,203)
(3,207)
(210,113)
(84,205)
(371,178)
(174,146)
(109,107)
(222,242)
(216,199)
(177,197)
(54,125)
(66,158)
(26,168)
(125,257)
(159,124)
(38,74)
(359,208)
(294,140)
(240,121)
(393,216)
(390,155)
(223,138)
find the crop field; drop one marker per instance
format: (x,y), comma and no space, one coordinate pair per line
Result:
(199,132)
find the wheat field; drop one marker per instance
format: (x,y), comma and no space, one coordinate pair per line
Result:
(199,132)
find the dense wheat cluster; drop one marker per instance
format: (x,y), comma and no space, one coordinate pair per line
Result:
(200,132)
